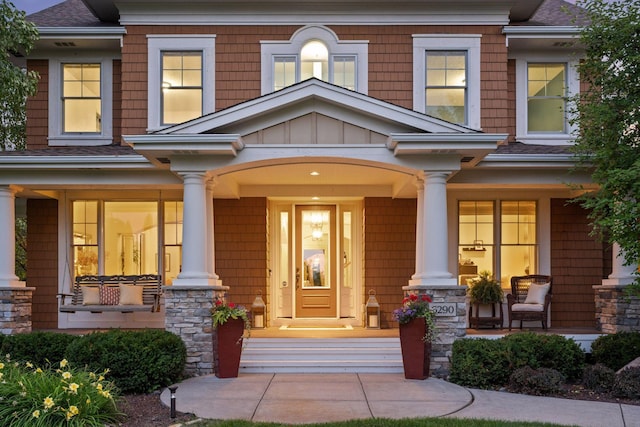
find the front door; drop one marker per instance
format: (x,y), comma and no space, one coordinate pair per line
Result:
(315,275)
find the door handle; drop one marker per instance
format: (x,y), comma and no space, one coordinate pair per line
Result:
(297,278)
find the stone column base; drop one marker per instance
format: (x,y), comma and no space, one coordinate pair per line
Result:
(449,328)
(188,315)
(15,310)
(615,311)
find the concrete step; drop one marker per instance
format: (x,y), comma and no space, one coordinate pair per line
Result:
(321,355)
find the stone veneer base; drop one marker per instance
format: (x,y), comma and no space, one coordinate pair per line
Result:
(15,310)
(188,315)
(615,311)
(449,328)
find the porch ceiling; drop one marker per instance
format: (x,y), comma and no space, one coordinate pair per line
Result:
(329,180)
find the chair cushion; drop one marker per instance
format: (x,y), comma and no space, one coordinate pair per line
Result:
(537,293)
(131,295)
(90,295)
(109,295)
(527,307)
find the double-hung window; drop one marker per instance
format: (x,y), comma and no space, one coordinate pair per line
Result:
(181,82)
(546,97)
(446,85)
(446,77)
(181,86)
(81,98)
(543,86)
(314,52)
(80,101)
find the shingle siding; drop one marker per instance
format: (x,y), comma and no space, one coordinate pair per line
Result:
(42,261)
(576,265)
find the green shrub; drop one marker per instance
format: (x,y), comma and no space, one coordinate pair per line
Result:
(627,383)
(545,351)
(55,396)
(616,350)
(539,382)
(598,378)
(139,361)
(484,363)
(479,363)
(39,348)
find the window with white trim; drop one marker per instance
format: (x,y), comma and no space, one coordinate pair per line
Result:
(181,83)
(314,52)
(543,85)
(80,101)
(446,77)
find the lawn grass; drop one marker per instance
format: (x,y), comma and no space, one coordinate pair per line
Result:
(383,422)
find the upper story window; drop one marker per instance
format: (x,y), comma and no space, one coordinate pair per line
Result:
(446,90)
(81,98)
(181,86)
(543,86)
(314,52)
(181,82)
(80,101)
(546,97)
(446,77)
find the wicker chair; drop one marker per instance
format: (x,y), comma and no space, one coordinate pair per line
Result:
(536,307)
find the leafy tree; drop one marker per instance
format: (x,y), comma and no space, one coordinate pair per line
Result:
(608,115)
(16,84)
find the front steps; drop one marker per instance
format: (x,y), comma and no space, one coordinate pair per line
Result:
(321,355)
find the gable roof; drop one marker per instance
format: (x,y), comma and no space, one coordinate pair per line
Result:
(318,96)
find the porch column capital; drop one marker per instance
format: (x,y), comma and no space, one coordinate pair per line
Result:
(8,276)
(432,244)
(195,231)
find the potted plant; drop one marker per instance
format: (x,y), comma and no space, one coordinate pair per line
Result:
(417,331)
(230,321)
(485,290)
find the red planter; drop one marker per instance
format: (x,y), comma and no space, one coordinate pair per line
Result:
(416,352)
(229,346)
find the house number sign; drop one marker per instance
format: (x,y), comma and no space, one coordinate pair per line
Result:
(443,308)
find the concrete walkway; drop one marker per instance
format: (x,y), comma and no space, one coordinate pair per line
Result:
(316,398)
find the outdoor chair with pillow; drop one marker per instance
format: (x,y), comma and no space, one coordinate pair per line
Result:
(529,299)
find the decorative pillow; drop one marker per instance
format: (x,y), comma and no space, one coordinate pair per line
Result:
(109,295)
(90,295)
(131,295)
(537,293)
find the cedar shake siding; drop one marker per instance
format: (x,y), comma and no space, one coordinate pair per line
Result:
(576,266)
(240,229)
(390,62)
(37,107)
(42,261)
(389,254)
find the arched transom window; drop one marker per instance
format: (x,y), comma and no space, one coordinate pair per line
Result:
(314,52)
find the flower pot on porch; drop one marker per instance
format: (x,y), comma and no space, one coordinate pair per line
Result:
(416,351)
(229,340)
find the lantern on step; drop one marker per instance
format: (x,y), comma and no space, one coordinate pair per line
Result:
(258,309)
(372,311)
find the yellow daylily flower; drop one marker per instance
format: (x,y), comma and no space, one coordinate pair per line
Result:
(66,375)
(1,365)
(36,413)
(29,365)
(48,402)
(73,388)
(63,363)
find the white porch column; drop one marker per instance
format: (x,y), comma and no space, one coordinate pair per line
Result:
(620,274)
(419,232)
(433,245)
(195,231)
(211,248)
(8,276)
